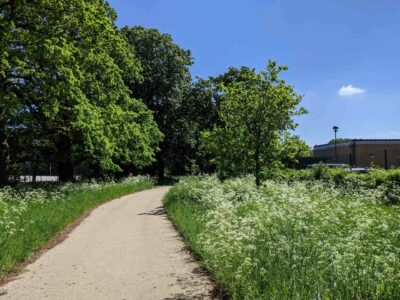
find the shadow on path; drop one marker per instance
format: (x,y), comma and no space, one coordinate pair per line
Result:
(159,211)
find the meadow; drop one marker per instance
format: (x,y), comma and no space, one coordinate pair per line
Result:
(291,239)
(31,215)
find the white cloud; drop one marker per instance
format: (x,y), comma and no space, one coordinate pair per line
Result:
(350,90)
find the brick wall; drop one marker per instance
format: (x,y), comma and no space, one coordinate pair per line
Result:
(362,153)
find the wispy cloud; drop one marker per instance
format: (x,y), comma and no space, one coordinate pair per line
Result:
(350,90)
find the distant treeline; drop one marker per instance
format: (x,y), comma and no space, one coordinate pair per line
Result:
(87,98)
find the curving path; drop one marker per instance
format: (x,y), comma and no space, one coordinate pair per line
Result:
(126,249)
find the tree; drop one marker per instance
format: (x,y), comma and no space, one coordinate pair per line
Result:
(292,149)
(166,81)
(339,140)
(199,112)
(9,102)
(255,112)
(63,71)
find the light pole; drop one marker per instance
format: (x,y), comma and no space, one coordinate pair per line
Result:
(335,129)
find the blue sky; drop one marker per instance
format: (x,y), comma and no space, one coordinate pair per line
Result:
(343,55)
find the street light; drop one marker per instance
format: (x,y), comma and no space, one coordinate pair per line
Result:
(335,129)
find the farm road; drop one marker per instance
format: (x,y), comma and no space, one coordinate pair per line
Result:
(126,249)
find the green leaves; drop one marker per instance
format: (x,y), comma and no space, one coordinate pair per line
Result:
(164,88)
(256,110)
(63,70)
(104,100)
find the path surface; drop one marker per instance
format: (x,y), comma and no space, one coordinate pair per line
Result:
(126,249)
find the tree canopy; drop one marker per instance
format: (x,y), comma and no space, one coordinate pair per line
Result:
(256,111)
(82,97)
(340,140)
(166,81)
(63,72)
(292,150)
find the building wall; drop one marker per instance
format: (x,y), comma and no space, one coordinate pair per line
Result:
(327,153)
(375,153)
(366,152)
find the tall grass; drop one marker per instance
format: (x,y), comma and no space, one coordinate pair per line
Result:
(303,240)
(31,216)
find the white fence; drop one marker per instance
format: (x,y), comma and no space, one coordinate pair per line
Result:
(39,178)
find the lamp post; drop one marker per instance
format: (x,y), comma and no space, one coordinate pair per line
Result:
(335,129)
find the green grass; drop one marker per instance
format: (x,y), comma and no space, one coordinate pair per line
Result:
(303,240)
(31,216)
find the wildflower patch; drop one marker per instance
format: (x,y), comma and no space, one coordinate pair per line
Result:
(297,240)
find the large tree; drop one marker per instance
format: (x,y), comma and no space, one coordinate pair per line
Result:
(255,112)
(166,81)
(63,71)
(199,111)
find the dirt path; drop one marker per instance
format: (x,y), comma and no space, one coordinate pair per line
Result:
(126,249)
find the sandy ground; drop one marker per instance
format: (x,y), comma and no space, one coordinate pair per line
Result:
(126,249)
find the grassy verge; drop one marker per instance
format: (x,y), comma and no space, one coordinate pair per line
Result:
(31,216)
(303,240)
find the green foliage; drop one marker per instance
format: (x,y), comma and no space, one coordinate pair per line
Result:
(297,240)
(292,149)
(391,193)
(393,176)
(387,181)
(373,179)
(255,112)
(166,81)
(31,216)
(199,112)
(74,91)
(63,72)
(339,140)
(320,172)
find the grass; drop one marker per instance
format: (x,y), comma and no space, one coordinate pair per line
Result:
(31,216)
(303,240)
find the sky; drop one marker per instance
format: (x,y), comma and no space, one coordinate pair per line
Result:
(343,55)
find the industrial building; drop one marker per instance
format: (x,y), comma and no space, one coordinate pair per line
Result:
(361,153)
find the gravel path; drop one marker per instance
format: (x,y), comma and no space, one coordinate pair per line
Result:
(126,249)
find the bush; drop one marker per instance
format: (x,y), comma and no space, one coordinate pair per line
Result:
(391,193)
(321,171)
(393,176)
(374,178)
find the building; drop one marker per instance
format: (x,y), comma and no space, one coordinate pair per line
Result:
(362,153)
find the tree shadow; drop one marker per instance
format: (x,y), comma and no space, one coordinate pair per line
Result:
(167,181)
(182,296)
(159,211)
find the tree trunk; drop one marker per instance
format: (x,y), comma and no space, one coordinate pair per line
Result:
(64,157)
(161,169)
(160,164)
(257,164)
(4,161)
(4,155)
(65,171)
(34,172)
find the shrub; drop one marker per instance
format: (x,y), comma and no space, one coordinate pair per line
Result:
(394,176)
(320,171)
(391,193)
(374,178)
